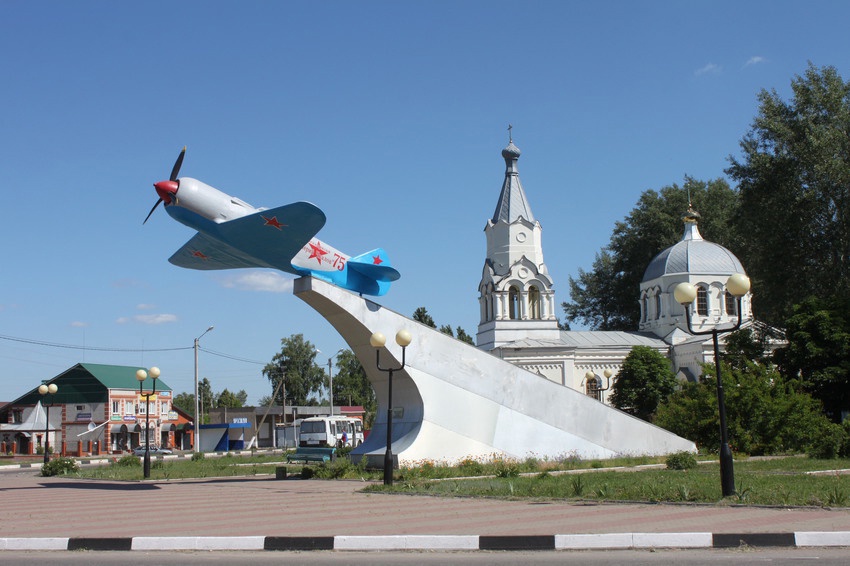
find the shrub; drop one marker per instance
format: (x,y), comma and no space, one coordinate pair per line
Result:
(681,461)
(198,456)
(471,467)
(830,442)
(128,462)
(59,467)
(507,469)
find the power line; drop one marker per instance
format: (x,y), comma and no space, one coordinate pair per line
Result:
(104,349)
(230,357)
(92,348)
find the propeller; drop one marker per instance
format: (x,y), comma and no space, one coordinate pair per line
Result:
(167,190)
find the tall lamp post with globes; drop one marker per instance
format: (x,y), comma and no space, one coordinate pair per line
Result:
(142,375)
(46,390)
(378,341)
(738,285)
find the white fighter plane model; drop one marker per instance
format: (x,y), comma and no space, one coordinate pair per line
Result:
(233,234)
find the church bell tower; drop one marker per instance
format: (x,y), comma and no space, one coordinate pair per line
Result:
(516,294)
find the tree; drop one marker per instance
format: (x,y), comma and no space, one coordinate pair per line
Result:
(421,315)
(818,352)
(794,182)
(353,386)
(185,402)
(464,337)
(295,366)
(228,399)
(645,380)
(207,398)
(606,297)
(765,413)
(593,295)
(265,401)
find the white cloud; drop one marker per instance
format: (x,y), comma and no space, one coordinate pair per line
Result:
(155,318)
(122,320)
(755,60)
(79,324)
(266,281)
(145,307)
(709,69)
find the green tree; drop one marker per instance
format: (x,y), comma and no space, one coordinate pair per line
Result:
(352,386)
(645,380)
(794,182)
(464,337)
(593,296)
(606,297)
(818,352)
(296,367)
(421,315)
(265,401)
(207,399)
(765,413)
(228,399)
(185,402)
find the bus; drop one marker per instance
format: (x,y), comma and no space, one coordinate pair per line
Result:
(331,431)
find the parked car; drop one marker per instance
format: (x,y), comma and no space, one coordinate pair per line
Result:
(140,450)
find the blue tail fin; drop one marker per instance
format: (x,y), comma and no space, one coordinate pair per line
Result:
(371,273)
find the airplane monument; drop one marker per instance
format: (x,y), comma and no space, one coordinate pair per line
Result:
(450,400)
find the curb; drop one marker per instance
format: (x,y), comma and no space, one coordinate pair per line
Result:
(607,541)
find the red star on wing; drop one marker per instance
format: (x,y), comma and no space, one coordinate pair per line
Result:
(199,254)
(273,221)
(316,252)
(376,260)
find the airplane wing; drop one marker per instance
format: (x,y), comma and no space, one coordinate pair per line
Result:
(203,252)
(269,238)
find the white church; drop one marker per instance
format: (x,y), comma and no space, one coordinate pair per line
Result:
(518,309)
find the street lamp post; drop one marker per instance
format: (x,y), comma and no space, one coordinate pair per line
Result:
(197,432)
(46,390)
(142,375)
(738,285)
(378,341)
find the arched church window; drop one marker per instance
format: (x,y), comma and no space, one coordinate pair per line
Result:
(702,301)
(658,305)
(593,388)
(534,302)
(513,303)
(731,304)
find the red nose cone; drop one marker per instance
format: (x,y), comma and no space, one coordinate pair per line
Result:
(167,190)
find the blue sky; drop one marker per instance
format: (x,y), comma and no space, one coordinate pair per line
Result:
(390,116)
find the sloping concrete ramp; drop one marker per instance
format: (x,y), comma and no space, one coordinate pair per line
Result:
(453,401)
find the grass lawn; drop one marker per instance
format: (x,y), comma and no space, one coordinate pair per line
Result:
(786,481)
(781,481)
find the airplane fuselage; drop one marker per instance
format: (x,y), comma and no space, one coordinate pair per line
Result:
(203,207)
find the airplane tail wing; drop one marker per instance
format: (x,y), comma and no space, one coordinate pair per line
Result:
(372,272)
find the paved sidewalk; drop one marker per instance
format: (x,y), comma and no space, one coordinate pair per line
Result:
(265,509)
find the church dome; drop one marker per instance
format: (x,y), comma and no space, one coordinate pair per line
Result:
(511,152)
(693,255)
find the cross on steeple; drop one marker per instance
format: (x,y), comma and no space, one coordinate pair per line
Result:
(510,135)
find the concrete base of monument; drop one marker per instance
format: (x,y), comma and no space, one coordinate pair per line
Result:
(453,401)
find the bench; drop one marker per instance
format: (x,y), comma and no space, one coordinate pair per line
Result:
(312,454)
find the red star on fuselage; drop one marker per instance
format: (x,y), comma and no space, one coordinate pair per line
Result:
(316,252)
(199,254)
(273,221)
(376,260)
